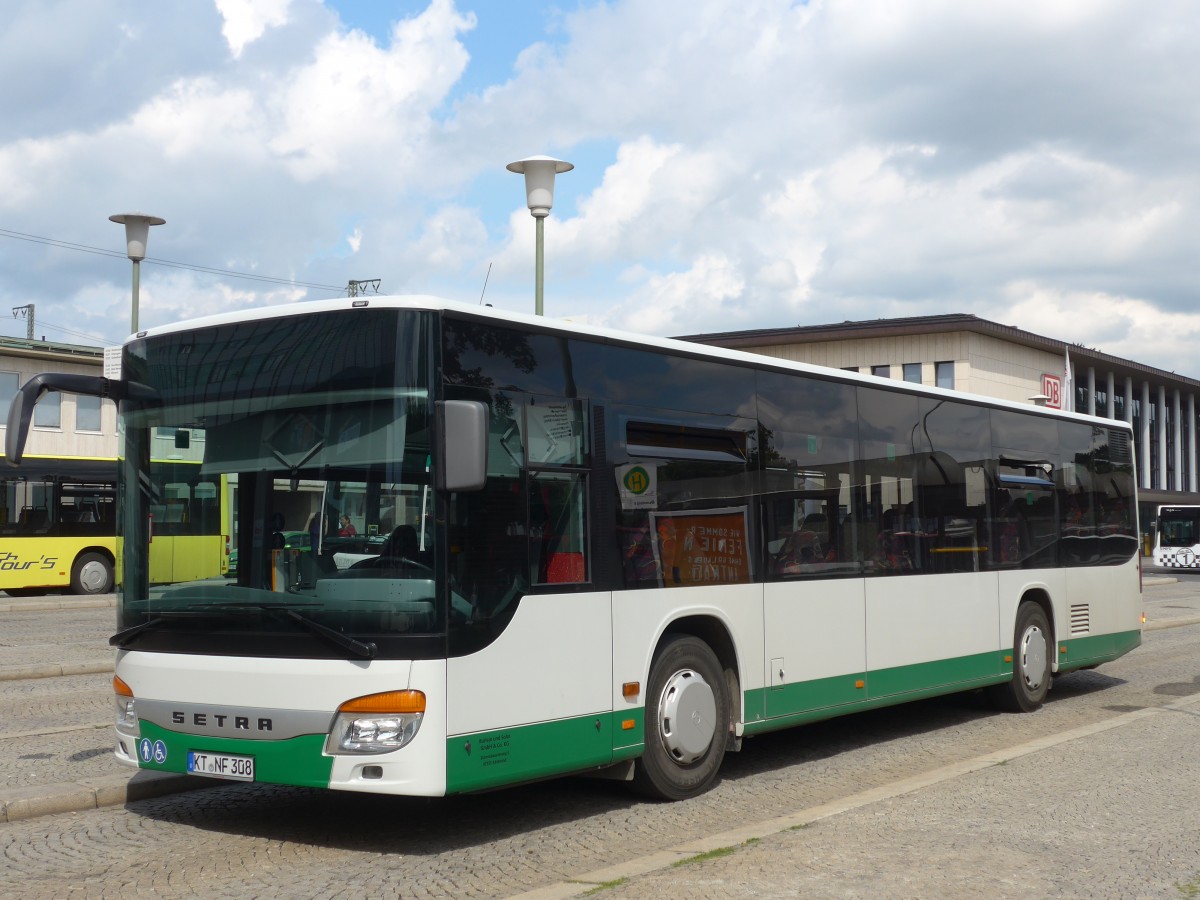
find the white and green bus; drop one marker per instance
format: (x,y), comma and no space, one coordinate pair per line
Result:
(539,549)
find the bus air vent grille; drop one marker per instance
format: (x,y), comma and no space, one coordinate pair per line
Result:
(1118,447)
(1081,619)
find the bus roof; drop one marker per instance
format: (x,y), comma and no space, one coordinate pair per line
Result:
(608,335)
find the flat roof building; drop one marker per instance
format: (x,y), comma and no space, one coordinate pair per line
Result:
(967,353)
(63,424)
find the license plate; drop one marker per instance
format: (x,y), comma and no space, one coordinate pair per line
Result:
(220,765)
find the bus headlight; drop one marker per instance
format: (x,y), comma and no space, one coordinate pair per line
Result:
(377,723)
(127,720)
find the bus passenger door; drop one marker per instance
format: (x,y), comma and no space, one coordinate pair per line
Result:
(813,601)
(529,679)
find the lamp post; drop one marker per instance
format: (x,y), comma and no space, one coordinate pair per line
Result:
(539,172)
(137,230)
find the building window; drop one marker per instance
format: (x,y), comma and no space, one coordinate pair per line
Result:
(8,389)
(881,371)
(87,413)
(48,412)
(944,374)
(912,372)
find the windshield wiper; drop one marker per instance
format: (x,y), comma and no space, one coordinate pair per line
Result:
(361,649)
(121,638)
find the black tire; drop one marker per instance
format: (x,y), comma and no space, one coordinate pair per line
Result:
(91,574)
(687,722)
(1032,649)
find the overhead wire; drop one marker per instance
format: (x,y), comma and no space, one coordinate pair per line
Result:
(171,264)
(42,324)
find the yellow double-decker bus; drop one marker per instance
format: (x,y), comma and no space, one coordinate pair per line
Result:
(58,525)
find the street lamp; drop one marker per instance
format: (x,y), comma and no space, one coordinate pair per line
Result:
(137,230)
(539,172)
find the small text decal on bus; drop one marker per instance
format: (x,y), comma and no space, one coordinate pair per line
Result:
(11,562)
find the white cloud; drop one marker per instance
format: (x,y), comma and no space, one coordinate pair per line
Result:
(699,297)
(447,238)
(1125,327)
(197,117)
(246,20)
(355,97)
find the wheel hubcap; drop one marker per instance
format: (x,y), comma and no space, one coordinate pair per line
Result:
(687,716)
(93,577)
(1033,657)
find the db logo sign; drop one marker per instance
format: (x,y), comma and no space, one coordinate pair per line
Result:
(1052,388)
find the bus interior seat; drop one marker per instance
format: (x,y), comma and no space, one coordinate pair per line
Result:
(34,518)
(566,567)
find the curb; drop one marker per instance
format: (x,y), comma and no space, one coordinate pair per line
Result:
(53,670)
(1171,623)
(94,793)
(41,604)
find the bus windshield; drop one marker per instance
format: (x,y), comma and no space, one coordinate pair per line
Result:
(317,428)
(1179,526)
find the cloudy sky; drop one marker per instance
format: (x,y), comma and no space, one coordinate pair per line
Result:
(737,165)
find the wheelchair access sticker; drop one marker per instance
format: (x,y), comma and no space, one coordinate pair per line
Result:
(156,751)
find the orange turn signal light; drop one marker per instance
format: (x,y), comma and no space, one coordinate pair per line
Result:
(860,684)
(628,724)
(386,703)
(631,688)
(121,688)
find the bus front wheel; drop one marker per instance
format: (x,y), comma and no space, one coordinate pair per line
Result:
(687,720)
(1031,663)
(91,574)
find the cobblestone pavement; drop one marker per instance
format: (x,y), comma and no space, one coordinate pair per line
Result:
(73,635)
(1036,811)
(55,729)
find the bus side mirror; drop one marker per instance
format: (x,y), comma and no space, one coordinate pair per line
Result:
(462,445)
(20,412)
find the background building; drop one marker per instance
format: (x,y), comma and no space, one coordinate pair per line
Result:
(971,354)
(63,424)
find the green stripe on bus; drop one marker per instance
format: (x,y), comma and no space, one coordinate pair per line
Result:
(824,698)
(791,698)
(1074,653)
(961,670)
(297,761)
(529,752)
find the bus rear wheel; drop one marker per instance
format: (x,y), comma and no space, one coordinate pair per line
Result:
(91,574)
(1031,663)
(687,720)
